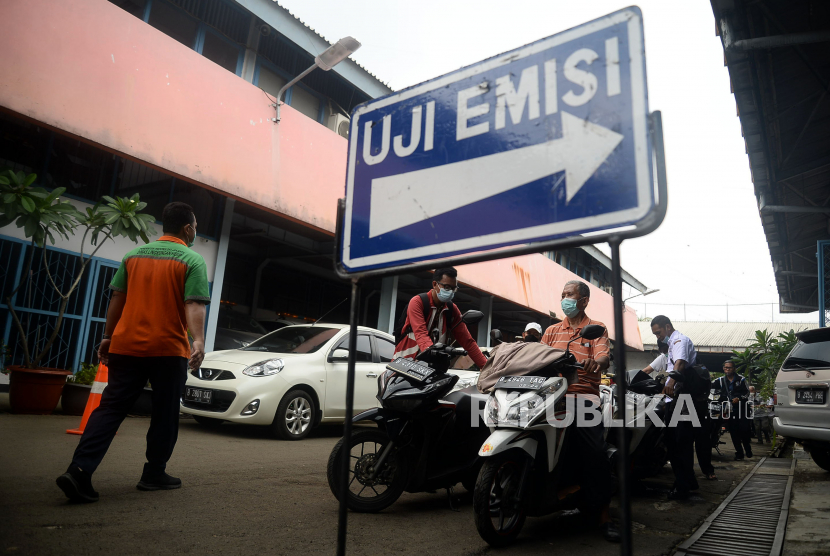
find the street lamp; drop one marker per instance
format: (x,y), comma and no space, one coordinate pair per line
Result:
(648,292)
(332,56)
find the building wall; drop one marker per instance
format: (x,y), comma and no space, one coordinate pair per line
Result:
(107,77)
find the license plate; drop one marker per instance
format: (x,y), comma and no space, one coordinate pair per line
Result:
(198,395)
(525,382)
(410,368)
(810,395)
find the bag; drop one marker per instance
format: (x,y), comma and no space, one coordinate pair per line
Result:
(400,333)
(696,382)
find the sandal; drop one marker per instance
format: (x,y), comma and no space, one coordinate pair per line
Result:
(711,477)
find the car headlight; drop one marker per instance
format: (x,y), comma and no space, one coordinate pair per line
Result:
(264,368)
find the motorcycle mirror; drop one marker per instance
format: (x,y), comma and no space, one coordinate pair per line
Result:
(592,332)
(495,336)
(472,317)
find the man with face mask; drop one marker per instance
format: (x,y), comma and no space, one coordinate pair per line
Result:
(433,315)
(159,294)
(532,333)
(594,468)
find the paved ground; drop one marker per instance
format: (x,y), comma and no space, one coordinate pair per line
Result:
(808,526)
(247,493)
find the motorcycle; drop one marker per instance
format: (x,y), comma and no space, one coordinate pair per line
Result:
(647,443)
(425,440)
(524,473)
(718,411)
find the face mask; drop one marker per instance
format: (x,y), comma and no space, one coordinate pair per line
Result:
(445,295)
(531,338)
(569,307)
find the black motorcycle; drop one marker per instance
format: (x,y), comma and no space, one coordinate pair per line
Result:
(425,440)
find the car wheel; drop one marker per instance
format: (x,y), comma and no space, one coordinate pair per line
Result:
(208,422)
(821,455)
(295,416)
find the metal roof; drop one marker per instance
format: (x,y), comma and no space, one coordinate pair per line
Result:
(778,55)
(722,336)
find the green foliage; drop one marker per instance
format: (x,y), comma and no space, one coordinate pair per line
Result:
(86,375)
(39,212)
(763,358)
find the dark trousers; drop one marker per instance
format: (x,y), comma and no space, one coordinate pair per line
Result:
(681,441)
(593,467)
(127,377)
(703,444)
(739,430)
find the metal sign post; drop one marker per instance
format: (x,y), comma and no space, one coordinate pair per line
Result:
(547,147)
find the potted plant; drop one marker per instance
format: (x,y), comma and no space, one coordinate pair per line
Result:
(77,388)
(42,214)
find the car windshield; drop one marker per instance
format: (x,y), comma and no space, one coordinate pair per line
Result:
(808,356)
(294,339)
(239,322)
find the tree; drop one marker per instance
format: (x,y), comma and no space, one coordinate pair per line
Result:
(763,358)
(43,214)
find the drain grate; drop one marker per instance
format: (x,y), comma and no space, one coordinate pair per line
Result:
(763,499)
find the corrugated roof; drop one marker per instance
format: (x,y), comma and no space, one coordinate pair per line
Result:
(722,336)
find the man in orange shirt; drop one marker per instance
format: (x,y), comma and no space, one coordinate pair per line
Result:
(594,468)
(159,294)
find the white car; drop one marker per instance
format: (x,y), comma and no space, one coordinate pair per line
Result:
(291,379)
(802,410)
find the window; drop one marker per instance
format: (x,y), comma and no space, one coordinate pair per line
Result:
(270,82)
(364,349)
(135,7)
(295,339)
(305,102)
(205,206)
(174,23)
(386,349)
(220,51)
(152,186)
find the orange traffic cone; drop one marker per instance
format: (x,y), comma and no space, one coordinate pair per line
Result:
(94,398)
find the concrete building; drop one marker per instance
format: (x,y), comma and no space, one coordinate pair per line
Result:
(173,99)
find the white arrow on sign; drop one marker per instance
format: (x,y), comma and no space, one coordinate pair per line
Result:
(405,199)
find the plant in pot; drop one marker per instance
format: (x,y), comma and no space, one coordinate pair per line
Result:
(77,388)
(42,215)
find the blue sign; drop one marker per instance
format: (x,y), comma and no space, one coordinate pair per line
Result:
(549,140)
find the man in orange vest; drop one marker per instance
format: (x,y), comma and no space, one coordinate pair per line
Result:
(435,315)
(159,294)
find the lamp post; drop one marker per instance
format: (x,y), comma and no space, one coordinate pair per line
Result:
(647,292)
(330,57)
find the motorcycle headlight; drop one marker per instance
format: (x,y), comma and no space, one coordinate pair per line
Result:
(264,368)
(491,411)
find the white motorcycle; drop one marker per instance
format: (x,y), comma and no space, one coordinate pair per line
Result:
(524,473)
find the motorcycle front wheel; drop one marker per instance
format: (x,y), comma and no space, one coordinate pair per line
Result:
(499,512)
(368,491)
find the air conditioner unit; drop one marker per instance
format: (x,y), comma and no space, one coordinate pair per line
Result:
(339,124)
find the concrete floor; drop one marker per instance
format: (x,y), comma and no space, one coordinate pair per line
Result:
(808,526)
(245,492)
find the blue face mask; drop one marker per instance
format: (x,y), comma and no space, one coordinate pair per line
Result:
(569,307)
(445,295)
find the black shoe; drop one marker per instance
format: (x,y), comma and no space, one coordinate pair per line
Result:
(749,455)
(678,494)
(739,457)
(159,482)
(77,485)
(610,531)
(695,486)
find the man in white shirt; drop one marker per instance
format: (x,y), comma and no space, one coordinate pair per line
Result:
(685,438)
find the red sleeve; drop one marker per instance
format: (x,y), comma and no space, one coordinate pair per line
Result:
(462,335)
(415,316)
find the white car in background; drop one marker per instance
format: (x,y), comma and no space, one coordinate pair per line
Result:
(291,379)
(802,410)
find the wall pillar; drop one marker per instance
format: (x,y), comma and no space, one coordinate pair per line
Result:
(487,322)
(388,301)
(219,275)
